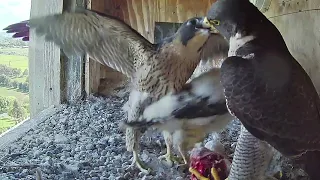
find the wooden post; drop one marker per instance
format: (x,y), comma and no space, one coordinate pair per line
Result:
(92,69)
(72,67)
(44,62)
(299,23)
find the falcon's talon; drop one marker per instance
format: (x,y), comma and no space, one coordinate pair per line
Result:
(183,168)
(214,174)
(278,175)
(197,174)
(143,168)
(170,159)
(139,164)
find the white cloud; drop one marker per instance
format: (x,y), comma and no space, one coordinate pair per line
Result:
(13,11)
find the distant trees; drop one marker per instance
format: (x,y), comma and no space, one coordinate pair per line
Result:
(17,111)
(14,84)
(25,72)
(9,71)
(4,104)
(11,42)
(14,108)
(24,87)
(4,80)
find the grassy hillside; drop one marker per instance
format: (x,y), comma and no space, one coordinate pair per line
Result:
(14,61)
(13,57)
(5,124)
(22,97)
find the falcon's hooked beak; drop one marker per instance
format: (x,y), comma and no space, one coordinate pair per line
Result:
(210,24)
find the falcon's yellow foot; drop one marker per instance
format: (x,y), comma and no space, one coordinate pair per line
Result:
(183,168)
(136,161)
(214,174)
(197,174)
(278,175)
(170,159)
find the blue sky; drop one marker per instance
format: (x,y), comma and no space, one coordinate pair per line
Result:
(13,11)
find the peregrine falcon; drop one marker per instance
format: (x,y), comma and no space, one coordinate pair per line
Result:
(154,69)
(190,114)
(265,87)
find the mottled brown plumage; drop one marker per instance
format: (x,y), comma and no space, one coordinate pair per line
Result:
(154,69)
(190,114)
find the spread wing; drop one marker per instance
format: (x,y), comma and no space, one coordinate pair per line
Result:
(215,48)
(106,39)
(202,97)
(20,29)
(275,100)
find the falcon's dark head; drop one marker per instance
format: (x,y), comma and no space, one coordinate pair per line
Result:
(234,16)
(194,32)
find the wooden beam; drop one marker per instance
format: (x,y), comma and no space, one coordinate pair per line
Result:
(282,8)
(72,67)
(299,23)
(142,14)
(44,62)
(92,69)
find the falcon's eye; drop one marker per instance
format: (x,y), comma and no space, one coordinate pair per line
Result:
(193,22)
(214,22)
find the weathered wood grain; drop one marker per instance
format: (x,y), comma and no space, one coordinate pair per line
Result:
(44,62)
(299,23)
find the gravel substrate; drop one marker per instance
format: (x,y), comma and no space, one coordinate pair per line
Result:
(83,141)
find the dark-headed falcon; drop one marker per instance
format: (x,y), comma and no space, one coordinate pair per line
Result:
(265,87)
(154,69)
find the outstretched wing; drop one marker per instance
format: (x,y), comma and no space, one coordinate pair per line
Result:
(106,39)
(216,48)
(202,97)
(20,29)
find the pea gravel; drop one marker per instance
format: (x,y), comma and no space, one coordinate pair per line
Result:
(83,141)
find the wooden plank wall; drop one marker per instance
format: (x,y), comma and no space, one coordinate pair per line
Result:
(142,15)
(299,23)
(44,62)
(92,68)
(72,67)
(54,77)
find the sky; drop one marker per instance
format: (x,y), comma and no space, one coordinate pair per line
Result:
(13,11)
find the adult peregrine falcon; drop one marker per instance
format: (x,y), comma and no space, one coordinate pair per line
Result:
(154,69)
(265,87)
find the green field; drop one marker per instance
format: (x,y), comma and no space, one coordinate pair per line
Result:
(5,123)
(7,92)
(14,61)
(14,58)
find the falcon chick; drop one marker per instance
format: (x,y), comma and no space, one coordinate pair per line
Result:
(154,69)
(265,87)
(190,114)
